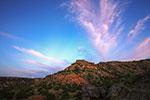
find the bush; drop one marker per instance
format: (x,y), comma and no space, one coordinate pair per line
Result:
(78,96)
(50,96)
(39,89)
(24,92)
(65,95)
(56,88)
(63,87)
(44,92)
(132,78)
(76,69)
(7,94)
(73,88)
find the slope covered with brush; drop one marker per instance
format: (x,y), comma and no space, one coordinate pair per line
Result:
(68,83)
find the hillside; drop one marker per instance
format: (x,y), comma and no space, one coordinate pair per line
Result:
(78,80)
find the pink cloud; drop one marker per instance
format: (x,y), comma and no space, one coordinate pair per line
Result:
(37,54)
(143,49)
(43,65)
(31,73)
(103,23)
(10,36)
(138,27)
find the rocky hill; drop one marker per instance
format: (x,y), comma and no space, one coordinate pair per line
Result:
(84,80)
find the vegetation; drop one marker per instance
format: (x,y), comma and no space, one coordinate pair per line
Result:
(67,84)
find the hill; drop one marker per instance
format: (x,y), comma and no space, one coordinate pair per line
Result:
(80,80)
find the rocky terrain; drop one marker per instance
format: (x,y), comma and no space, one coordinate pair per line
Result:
(84,80)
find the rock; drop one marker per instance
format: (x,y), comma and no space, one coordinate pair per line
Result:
(117,92)
(138,95)
(90,92)
(103,91)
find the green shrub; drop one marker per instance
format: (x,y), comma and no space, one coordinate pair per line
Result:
(44,92)
(65,95)
(76,69)
(24,92)
(6,94)
(132,78)
(73,88)
(50,96)
(63,87)
(78,96)
(56,88)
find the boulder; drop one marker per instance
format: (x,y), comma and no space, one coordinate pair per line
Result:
(103,91)
(117,92)
(90,92)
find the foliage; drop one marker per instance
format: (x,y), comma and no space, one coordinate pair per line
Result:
(65,95)
(56,88)
(6,93)
(78,96)
(50,96)
(132,78)
(76,69)
(24,92)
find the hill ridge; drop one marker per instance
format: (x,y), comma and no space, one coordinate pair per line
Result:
(74,77)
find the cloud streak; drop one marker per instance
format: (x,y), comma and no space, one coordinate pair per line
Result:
(38,54)
(140,51)
(10,36)
(103,23)
(86,54)
(43,65)
(138,27)
(31,73)
(143,49)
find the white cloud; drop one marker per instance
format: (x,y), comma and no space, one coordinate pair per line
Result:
(10,36)
(38,54)
(43,65)
(138,27)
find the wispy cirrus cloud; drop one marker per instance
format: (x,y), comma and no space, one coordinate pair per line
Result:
(38,54)
(10,36)
(42,65)
(140,51)
(32,73)
(143,49)
(84,53)
(138,27)
(103,22)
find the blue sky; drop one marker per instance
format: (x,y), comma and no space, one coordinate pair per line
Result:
(41,37)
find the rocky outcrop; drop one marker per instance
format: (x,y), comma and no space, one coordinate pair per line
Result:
(91,92)
(116,92)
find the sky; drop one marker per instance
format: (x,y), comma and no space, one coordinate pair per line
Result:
(41,37)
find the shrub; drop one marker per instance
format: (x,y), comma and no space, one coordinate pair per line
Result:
(132,78)
(24,92)
(6,94)
(63,87)
(56,88)
(50,96)
(78,96)
(76,69)
(65,95)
